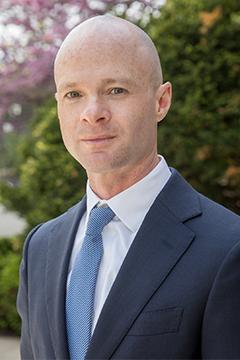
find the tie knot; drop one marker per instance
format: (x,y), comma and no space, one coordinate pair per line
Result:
(98,219)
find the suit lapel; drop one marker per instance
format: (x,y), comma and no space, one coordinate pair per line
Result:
(158,246)
(59,251)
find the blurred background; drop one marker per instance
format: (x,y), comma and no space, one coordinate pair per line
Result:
(198,42)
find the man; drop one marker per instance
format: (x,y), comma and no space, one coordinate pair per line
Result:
(160,279)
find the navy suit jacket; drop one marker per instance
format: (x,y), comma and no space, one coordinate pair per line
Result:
(176,296)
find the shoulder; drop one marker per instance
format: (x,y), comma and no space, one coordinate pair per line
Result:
(223,219)
(216,234)
(49,226)
(213,224)
(218,212)
(187,203)
(40,234)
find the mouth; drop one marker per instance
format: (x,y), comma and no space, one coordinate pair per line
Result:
(98,139)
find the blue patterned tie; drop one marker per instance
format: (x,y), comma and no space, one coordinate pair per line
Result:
(80,293)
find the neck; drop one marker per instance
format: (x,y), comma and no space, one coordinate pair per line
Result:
(107,185)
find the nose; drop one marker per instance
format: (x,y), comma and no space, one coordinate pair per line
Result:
(95,112)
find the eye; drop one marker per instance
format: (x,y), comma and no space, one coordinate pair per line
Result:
(117,91)
(72,94)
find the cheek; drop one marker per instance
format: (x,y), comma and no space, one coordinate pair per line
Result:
(67,132)
(144,133)
(66,121)
(143,120)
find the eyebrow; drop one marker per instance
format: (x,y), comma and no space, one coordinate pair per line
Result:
(69,85)
(118,80)
(65,86)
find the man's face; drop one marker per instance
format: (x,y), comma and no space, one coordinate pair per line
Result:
(107,109)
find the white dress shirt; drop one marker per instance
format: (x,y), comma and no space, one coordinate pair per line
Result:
(130,207)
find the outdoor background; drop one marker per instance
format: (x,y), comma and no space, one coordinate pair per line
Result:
(198,42)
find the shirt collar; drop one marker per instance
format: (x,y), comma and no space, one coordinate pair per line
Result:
(137,199)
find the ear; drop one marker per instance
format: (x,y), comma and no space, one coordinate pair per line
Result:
(163,100)
(56,96)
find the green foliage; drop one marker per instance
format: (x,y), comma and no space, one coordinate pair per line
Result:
(9,265)
(7,148)
(200,53)
(50,181)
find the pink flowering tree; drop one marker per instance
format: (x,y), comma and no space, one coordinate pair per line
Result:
(31,31)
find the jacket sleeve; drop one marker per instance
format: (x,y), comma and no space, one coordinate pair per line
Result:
(22,302)
(221,324)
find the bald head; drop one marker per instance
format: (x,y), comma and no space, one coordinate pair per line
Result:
(116,36)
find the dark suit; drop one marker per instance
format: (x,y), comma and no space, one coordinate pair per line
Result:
(177,295)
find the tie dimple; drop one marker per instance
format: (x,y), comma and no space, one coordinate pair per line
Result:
(81,290)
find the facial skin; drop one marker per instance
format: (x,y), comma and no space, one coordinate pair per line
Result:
(110,98)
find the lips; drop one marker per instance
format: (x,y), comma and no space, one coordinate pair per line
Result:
(98,139)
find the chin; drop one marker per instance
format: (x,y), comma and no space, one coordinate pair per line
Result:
(101,163)
(99,167)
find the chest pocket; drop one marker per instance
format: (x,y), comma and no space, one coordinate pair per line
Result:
(161,321)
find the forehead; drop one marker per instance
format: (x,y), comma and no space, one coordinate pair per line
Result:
(100,63)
